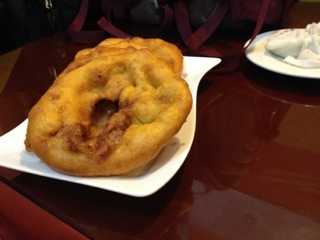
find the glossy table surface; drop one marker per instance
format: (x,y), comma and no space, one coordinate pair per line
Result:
(253,171)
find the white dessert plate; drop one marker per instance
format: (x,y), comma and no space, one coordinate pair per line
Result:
(258,55)
(168,162)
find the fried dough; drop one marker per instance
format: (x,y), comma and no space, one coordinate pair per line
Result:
(109,112)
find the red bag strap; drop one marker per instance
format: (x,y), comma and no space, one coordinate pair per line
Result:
(198,37)
(75,31)
(194,40)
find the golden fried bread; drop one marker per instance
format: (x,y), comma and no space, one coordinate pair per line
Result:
(111,111)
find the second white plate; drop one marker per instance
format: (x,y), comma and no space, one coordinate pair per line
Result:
(258,55)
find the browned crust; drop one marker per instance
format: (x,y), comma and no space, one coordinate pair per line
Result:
(149,93)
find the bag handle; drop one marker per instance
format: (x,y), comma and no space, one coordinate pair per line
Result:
(194,40)
(75,31)
(114,9)
(204,32)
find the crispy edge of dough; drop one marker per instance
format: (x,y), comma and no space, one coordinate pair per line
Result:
(119,169)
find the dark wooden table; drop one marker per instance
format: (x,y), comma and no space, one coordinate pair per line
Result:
(253,171)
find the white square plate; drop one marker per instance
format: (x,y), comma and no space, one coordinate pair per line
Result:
(14,156)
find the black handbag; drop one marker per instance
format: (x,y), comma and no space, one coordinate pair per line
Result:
(25,21)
